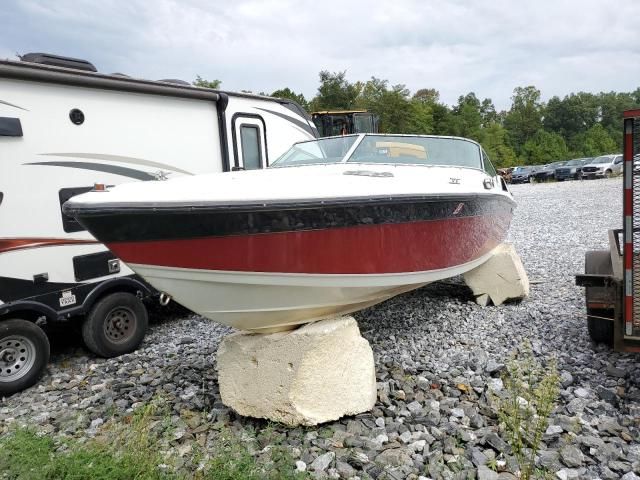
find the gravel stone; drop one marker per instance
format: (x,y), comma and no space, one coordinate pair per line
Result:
(630,476)
(321,463)
(439,358)
(485,473)
(571,456)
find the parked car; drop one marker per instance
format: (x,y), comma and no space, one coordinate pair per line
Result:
(522,174)
(572,169)
(547,172)
(603,166)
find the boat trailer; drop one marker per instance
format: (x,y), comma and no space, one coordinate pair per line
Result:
(612,278)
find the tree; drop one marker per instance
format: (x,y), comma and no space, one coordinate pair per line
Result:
(574,114)
(420,119)
(291,95)
(488,112)
(598,142)
(467,119)
(441,118)
(524,119)
(201,82)
(335,92)
(495,144)
(394,108)
(544,147)
(612,105)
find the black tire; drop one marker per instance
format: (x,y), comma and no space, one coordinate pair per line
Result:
(116,325)
(607,174)
(600,330)
(24,354)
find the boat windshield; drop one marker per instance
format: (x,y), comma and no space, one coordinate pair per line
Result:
(325,150)
(386,149)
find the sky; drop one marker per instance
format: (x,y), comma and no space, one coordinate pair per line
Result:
(488,47)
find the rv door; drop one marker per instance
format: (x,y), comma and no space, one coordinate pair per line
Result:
(249,142)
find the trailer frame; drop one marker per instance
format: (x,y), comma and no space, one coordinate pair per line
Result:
(612,303)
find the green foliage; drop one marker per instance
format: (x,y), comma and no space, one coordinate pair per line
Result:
(291,95)
(530,132)
(396,111)
(524,119)
(597,142)
(544,147)
(29,456)
(130,449)
(201,82)
(335,92)
(468,117)
(495,144)
(531,391)
(571,116)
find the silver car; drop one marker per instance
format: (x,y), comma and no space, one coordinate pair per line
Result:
(603,167)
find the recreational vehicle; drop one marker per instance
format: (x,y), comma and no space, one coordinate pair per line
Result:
(66,129)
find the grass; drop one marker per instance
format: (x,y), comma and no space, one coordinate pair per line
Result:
(531,393)
(137,447)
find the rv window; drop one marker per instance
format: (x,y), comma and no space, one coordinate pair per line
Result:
(70,224)
(251,148)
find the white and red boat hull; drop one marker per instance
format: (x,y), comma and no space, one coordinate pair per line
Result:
(270,265)
(273,302)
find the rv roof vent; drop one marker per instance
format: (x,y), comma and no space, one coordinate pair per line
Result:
(58,61)
(175,80)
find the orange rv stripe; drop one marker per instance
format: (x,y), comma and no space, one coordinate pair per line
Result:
(10,244)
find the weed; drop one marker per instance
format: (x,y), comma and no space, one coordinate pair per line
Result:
(131,449)
(530,395)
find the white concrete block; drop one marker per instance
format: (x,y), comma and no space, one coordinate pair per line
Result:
(500,278)
(316,373)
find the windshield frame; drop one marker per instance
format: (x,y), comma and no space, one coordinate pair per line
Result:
(361,137)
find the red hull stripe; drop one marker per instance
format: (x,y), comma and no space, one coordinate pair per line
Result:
(10,244)
(371,249)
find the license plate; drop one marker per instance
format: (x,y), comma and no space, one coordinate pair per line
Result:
(67,299)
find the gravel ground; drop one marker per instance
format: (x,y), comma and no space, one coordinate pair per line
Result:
(426,344)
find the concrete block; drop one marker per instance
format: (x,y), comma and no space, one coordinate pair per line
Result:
(500,278)
(316,373)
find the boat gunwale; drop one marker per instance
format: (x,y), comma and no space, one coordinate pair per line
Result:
(102,209)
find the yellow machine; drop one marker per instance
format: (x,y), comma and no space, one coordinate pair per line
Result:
(344,122)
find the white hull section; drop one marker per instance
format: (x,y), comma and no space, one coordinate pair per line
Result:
(270,302)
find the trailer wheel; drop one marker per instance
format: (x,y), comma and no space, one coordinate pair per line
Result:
(115,325)
(24,354)
(600,330)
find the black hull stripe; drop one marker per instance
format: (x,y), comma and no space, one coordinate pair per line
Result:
(126,226)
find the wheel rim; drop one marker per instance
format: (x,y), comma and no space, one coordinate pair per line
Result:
(17,356)
(120,324)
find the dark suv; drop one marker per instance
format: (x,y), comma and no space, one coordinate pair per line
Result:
(547,173)
(571,170)
(522,174)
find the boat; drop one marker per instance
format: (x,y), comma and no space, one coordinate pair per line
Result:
(334,225)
